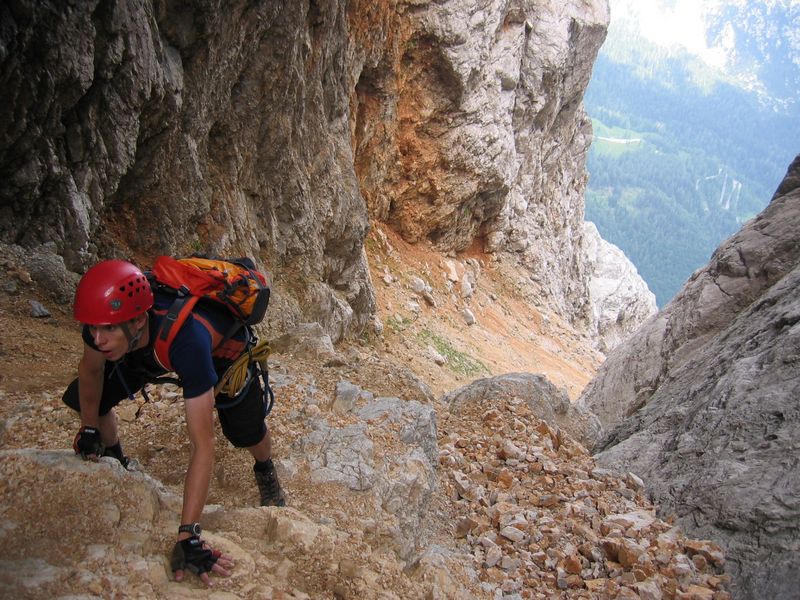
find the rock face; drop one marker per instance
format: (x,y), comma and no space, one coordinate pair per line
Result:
(619,298)
(118,544)
(362,512)
(702,401)
(143,128)
(278,130)
(470,125)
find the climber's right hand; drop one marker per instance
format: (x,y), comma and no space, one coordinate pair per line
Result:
(195,555)
(87,443)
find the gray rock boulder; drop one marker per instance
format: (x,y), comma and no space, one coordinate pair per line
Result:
(542,398)
(399,476)
(341,455)
(43,266)
(306,339)
(48,270)
(416,422)
(702,401)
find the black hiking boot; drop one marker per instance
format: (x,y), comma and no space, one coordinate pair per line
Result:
(268,485)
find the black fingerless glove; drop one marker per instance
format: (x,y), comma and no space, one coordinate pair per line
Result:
(87,441)
(194,555)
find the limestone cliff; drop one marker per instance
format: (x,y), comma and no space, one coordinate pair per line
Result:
(279,129)
(702,400)
(469,126)
(139,128)
(619,298)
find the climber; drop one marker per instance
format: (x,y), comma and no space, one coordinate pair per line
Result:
(120,315)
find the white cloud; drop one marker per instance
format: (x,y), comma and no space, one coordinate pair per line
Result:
(672,23)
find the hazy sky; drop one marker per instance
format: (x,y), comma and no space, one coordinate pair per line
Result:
(671,22)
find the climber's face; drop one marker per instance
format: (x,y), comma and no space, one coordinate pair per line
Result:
(110,340)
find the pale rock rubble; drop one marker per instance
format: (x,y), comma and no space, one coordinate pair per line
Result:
(460,284)
(469,497)
(543,521)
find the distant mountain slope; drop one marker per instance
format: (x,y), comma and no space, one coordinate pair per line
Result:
(712,144)
(761,45)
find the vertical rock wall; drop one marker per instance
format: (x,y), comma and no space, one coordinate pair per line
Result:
(139,128)
(278,129)
(470,125)
(618,296)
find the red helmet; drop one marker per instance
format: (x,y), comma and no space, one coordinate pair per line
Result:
(111,292)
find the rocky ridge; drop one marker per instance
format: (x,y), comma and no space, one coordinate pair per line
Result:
(363,445)
(358,449)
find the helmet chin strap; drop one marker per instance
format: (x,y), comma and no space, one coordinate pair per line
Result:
(133,342)
(133,339)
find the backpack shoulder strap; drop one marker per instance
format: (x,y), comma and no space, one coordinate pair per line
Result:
(171,324)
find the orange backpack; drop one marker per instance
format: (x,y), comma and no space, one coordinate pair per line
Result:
(232,283)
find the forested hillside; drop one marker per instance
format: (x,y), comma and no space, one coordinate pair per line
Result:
(682,157)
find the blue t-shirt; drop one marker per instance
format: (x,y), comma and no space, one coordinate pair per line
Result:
(196,355)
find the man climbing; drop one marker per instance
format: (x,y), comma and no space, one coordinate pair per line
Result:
(121,317)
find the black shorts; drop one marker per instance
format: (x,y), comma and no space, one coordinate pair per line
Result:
(241,418)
